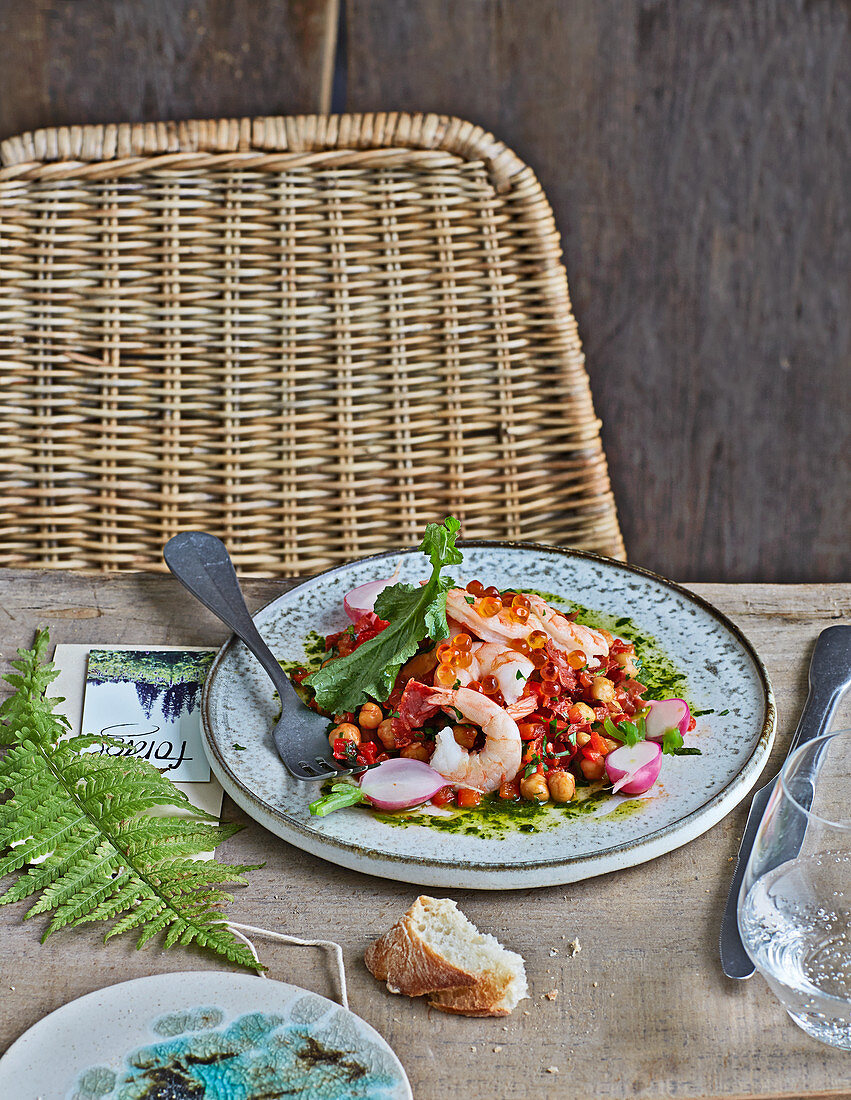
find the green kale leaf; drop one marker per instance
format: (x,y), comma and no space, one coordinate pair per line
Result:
(414,612)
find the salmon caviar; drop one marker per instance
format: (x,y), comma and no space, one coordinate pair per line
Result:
(462,642)
(521,601)
(518,614)
(463,660)
(445,676)
(538,658)
(492,592)
(523,647)
(550,688)
(489,606)
(474,685)
(442,651)
(549,672)
(537,639)
(577,659)
(475,588)
(490,685)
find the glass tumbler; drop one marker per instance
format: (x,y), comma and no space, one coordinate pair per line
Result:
(795,903)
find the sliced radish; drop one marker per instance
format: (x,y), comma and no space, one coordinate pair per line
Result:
(401,783)
(361,600)
(633,769)
(667,714)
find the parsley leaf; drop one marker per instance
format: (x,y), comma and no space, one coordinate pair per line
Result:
(413,611)
(519,675)
(470,600)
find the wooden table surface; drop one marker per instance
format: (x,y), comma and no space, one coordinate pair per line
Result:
(642,1011)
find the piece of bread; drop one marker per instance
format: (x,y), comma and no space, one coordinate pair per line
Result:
(434,949)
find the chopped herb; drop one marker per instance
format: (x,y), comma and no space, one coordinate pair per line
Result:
(672,744)
(519,675)
(553,724)
(342,794)
(458,714)
(394,714)
(239,748)
(456,685)
(628,732)
(700,713)
(622,623)
(469,599)
(723,713)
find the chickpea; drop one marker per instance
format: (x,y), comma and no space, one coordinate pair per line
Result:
(370,717)
(581,712)
(465,735)
(534,788)
(346,731)
(602,689)
(582,738)
(417,751)
(627,663)
(592,769)
(386,735)
(562,785)
(419,666)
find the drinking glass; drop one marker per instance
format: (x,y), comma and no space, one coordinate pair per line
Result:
(795,903)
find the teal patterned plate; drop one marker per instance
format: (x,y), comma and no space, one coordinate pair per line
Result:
(197,1034)
(689,648)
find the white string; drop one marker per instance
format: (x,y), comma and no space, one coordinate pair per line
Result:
(336,950)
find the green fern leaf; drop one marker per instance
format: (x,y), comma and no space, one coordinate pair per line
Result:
(78,830)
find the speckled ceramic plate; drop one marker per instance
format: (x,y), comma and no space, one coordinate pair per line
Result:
(201,1033)
(723,679)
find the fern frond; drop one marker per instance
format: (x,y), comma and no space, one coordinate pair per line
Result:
(77,827)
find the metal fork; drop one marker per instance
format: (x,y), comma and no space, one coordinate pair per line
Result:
(202,564)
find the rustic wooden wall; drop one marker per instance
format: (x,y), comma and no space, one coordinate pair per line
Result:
(697,157)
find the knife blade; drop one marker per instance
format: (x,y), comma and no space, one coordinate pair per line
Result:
(829,676)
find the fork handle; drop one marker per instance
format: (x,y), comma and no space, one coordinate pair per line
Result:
(202,564)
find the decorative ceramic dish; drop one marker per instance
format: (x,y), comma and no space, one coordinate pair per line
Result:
(686,645)
(201,1034)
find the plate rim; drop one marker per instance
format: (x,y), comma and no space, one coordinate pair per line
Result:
(643,848)
(73,1006)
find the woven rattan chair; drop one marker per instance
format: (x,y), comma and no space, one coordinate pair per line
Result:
(307,335)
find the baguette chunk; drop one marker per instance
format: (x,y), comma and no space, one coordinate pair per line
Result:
(434,949)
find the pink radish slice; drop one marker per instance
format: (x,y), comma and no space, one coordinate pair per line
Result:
(633,769)
(401,783)
(361,600)
(667,714)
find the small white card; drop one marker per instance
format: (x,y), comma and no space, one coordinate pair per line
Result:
(148,699)
(71,661)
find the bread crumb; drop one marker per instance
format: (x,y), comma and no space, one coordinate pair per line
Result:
(526,1012)
(553,952)
(594,984)
(505,1027)
(496,1050)
(472,1050)
(552,1069)
(551,996)
(574,947)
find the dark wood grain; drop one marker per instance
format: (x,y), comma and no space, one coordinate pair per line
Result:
(89,61)
(697,158)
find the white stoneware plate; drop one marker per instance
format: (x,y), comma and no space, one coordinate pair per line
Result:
(201,1033)
(724,678)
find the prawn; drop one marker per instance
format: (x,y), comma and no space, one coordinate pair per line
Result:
(566,634)
(501,756)
(510,668)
